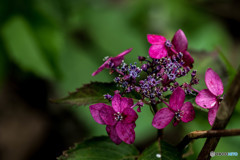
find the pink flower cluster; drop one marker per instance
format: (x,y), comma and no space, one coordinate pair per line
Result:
(170,60)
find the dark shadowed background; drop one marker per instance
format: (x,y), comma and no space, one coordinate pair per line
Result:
(51,47)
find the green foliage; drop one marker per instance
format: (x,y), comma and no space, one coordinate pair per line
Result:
(91,93)
(100,148)
(23,48)
(166,151)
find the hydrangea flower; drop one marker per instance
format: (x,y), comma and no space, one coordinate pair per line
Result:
(210,98)
(112,62)
(161,47)
(177,110)
(120,118)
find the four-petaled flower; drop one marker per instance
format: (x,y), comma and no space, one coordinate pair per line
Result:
(120,118)
(161,47)
(112,62)
(210,98)
(177,110)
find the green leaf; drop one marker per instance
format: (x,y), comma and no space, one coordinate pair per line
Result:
(23,48)
(100,148)
(92,93)
(230,69)
(167,152)
(89,94)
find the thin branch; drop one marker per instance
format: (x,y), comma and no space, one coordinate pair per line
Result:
(207,134)
(223,116)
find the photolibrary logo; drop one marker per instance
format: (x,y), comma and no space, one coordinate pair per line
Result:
(212,153)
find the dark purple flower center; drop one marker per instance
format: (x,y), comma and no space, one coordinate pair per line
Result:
(118,116)
(168,44)
(178,115)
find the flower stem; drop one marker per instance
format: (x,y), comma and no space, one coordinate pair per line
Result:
(194,89)
(207,134)
(165,103)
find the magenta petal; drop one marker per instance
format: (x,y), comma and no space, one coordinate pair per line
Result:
(119,58)
(177,99)
(206,99)
(94,110)
(107,115)
(126,103)
(212,113)
(129,115)
(104,65)
(111,130)
(156,39)
(126,132)
(188,113)
(188,60)
(116,103)
(120,103)
(158,51)
(124,52)
(180,41)
(213,82)
(162,118)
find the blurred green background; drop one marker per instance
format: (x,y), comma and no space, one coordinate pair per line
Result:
(51,47)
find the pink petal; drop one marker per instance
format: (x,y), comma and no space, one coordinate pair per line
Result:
(124,52)
(212,113)
(107,115)
(119,58)
(111,130)
(177,99)
(188,60)
(213,82)
(94,110)
(206,99)
(126,103)
(156,39)
(162,118)
(116,103)
(129,115)
(180,41)
(188,112)
(120,103)
(126,132)
(158,51)
(104,65)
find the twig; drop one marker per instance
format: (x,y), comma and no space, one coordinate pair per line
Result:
(223,116)
(207,134)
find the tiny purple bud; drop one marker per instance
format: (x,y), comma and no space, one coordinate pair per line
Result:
(116,92)
(137,89)
(168,44)
(139,109)
(176,84)
(107,96)
(158,68)
(165,89)
(141,58)
(140,103)
(144,67)
(193,73)
(126,77)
